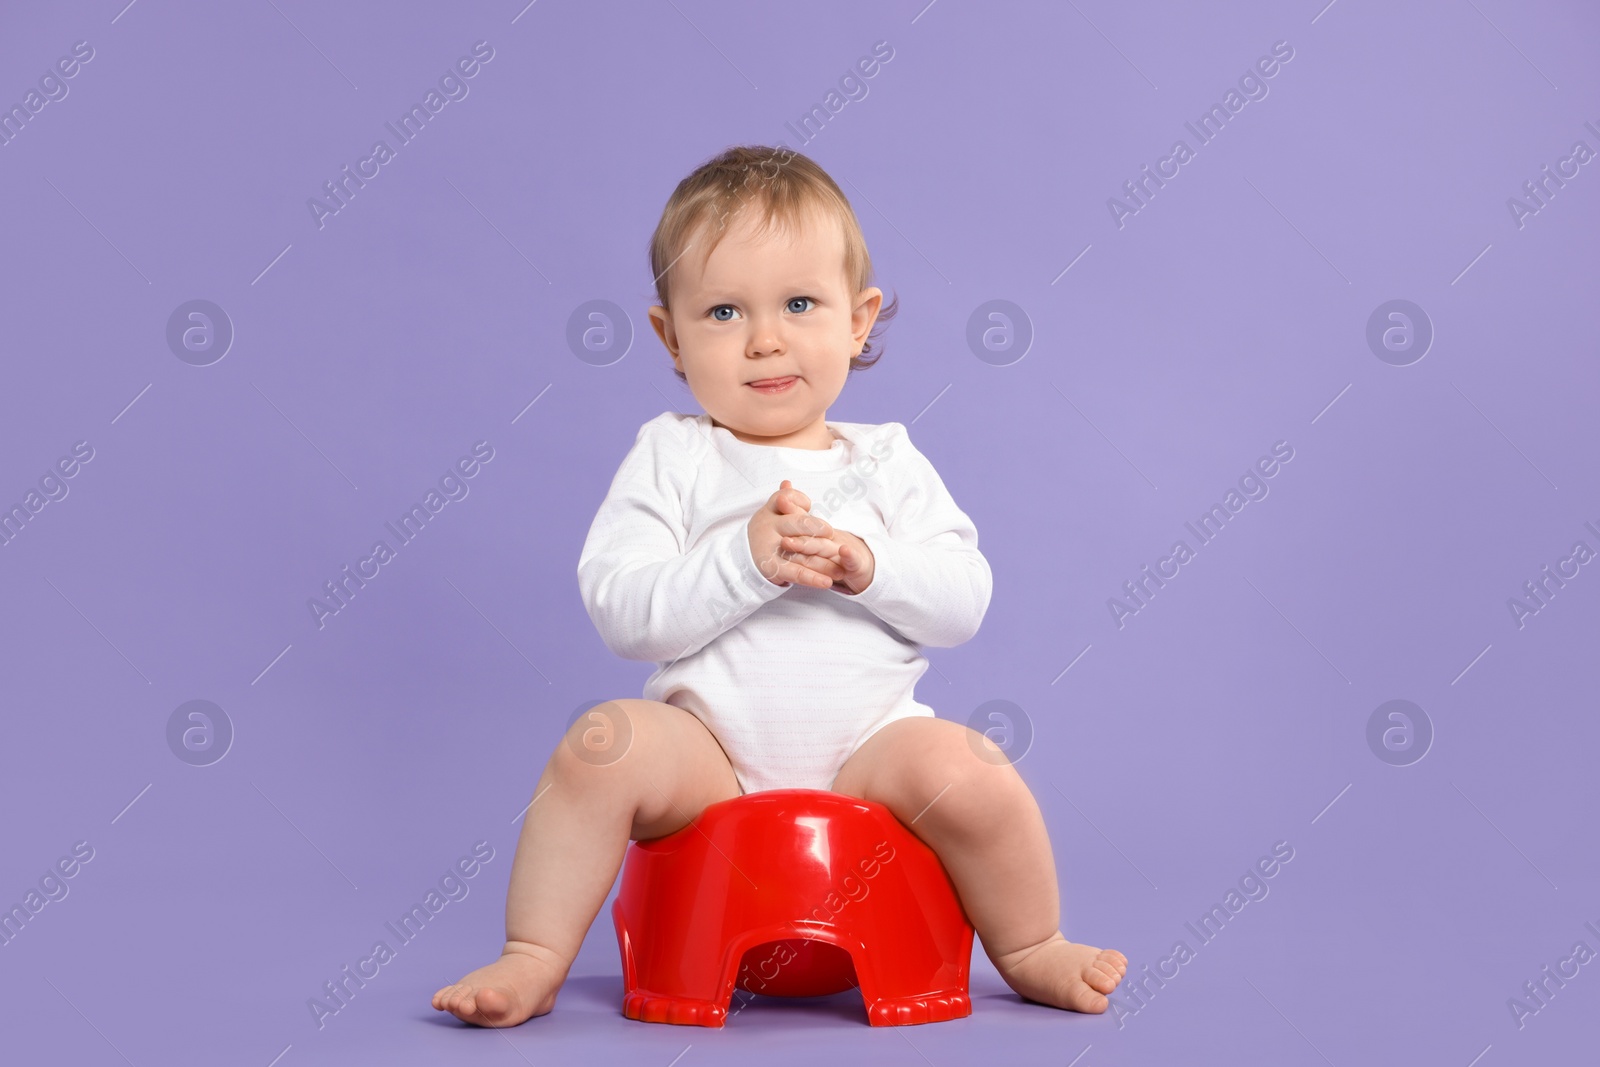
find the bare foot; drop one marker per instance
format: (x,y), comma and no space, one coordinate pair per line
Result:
(522,983)
(1064,974)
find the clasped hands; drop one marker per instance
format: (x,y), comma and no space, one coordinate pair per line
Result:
(791,545)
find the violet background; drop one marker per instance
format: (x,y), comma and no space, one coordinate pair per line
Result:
(1227,315)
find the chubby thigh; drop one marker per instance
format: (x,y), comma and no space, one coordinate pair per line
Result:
(911,763)
(658,757)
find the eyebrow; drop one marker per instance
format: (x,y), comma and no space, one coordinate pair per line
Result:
(810,284)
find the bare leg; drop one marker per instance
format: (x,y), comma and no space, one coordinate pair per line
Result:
(587,805)
(979,817)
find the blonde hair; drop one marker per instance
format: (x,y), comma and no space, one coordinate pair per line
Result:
(782,185)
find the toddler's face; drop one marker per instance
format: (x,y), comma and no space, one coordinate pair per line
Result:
(775,305)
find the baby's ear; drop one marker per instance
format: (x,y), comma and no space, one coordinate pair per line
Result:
(868,302)
(661,321)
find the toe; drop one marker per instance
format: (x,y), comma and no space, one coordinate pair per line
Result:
(493,1005)
(1082,998)
(1102,977)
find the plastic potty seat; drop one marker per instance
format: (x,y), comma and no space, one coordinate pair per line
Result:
(790,893)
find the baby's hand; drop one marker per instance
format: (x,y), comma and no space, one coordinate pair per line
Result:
(785,514)
(841,556)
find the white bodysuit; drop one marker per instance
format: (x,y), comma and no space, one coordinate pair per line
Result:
(791,680)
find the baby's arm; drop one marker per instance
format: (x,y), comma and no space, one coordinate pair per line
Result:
(930,582)
(648,598)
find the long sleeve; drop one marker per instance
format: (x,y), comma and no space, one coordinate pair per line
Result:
(648,598)
(929,582)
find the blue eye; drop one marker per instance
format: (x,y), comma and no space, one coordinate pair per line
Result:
(800,300)
(716,312)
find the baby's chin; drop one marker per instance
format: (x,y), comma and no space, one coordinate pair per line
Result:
(788,432)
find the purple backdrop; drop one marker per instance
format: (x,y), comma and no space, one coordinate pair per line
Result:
(1376,256)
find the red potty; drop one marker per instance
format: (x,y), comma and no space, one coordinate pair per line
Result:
(790,893)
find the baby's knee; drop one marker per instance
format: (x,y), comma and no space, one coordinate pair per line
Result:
(972,780)
(598,740)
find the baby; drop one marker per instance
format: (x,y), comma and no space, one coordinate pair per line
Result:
(787,645)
